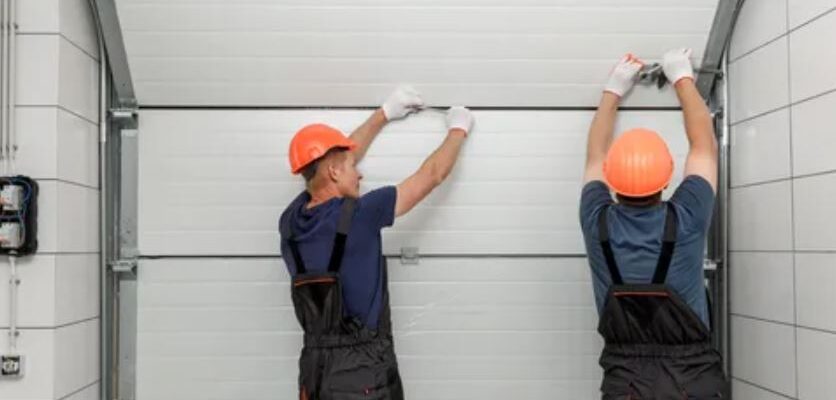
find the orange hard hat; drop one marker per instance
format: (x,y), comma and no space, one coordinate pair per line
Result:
(312,142)
(638,164)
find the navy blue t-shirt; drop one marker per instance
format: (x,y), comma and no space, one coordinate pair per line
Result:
(362,274)
(636,238)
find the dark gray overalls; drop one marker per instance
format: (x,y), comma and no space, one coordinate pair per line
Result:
(656,347)
(341,359)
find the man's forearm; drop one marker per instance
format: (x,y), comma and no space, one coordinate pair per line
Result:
(364,134)
(603,125)
(698,124)
(440,163)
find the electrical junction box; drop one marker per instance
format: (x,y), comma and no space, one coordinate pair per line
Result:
(18,215)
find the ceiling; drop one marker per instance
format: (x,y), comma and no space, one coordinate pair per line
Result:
(328,53)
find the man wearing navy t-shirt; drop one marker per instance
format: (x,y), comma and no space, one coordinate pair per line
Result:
(646,255)
(331,244)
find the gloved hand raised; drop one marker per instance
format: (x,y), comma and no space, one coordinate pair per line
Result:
(623,75)
(460,118)
(677,65)
(404,100)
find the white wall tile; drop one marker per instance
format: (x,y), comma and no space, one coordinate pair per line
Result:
(762,285)
(37,74)
(89,393)
(78,25)
(37,142)
(747,76)
(67,218)
(745,391)
(813,139)
(815,279)
(76,357)
(38,347)
(78,82)
(759,22)
(813,58)
(764,354)
(753,141)
(48,205)
(56,144)
(76,287)
(802,11)
(815,213)
(38,16)
(55,290)
(761,217)
(36,304)
(78,150)
(816,364)
(78,219)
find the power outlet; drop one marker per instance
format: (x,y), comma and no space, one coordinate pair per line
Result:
(11,197)
(11,366)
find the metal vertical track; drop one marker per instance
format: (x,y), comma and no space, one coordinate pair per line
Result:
(725,184)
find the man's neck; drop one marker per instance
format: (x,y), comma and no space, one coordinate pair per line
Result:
(322,195)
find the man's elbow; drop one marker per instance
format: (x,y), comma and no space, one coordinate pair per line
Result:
(438,176)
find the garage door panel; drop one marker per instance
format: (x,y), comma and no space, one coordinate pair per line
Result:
(476,19)
(268,368)
(514,190)
(224,328)
(408,294)
(354,45)
(417,390)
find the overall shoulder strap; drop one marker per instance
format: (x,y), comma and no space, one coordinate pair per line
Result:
(668,246)
(286,228)
(343,226)
(604,239)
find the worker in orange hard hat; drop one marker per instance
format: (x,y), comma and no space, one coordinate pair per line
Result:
(331,244)
(646,254)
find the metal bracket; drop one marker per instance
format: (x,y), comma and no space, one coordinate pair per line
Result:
(409,256)
(125,117)
(127,267)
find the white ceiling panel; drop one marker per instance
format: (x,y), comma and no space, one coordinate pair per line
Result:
(524,53)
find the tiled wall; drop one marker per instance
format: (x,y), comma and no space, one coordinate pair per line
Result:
(783,213)
(57,114)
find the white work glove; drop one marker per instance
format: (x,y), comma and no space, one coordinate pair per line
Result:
(623,75)
(404,100)
(677,65)
(460,118)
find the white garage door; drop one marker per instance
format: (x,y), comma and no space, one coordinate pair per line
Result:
(499,307)
(324,53)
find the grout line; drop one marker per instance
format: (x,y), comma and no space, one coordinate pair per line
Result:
(56,327)
(786,324)
(77,46)
(815,174)
(58,107)
(759,47)
(71,183)
(792,207)
(761,183)
(759,115)
(763,388)
(80,390)
(813,97)
(809,21)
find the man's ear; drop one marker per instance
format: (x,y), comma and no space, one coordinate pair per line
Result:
(334,169)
